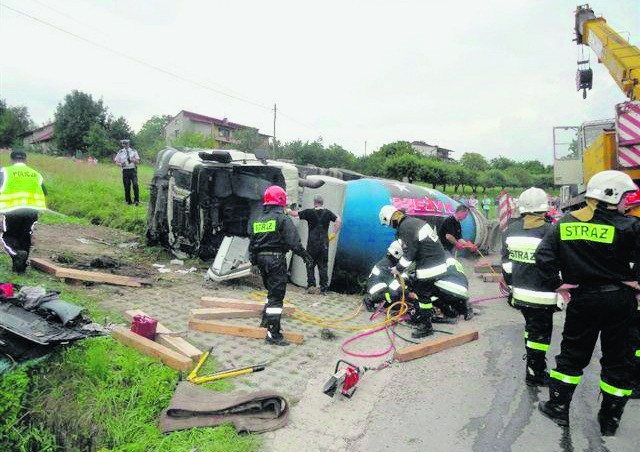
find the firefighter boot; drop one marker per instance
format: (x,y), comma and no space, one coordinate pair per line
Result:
(610,413)
(368,303)
(274,334)
(467,311)
(263,321)
(557,407)
(424,328)
(536,372)
(20,261)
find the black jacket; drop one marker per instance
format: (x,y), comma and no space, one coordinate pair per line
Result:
(422,247)
(519,248)
(451,226)
(381,284)
(274,231)
(592,253)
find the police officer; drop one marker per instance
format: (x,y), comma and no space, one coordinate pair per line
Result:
(537,304)
(22,195)
(423,247)
(382,285)
(272,234)
(592,248)
(127,158)
(318,220)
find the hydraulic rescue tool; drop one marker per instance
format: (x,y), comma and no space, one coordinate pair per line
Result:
(344,379)
(228,373)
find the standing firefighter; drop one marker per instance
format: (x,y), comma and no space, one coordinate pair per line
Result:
(521,240)
(272,235)
(593,249)
(423,248)
(382,286)
(318,220)
(633,210)
(22,195)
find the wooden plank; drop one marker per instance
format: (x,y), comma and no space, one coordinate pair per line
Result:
(486,267)
(232,303)
(147,347)
(179,344)
(223,313)
(255,332)
(82,275)
(490,277)
(435,346)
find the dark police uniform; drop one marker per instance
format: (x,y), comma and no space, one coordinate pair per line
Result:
(537,304)
(318,244)
(272,234)
(596,255)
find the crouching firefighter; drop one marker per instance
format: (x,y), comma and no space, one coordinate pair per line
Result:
(272,234)
(593,248)
(423,247)
(382,285)
(22,196)
(519,245)
(451,293)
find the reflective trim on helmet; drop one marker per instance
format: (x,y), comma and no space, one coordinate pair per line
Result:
(618,392)
(453,288)
(377,288)
(424,273)
(394,285)
(404,262)
(425,305)
(534,296)
(570,379)
(537,346)
(507,267)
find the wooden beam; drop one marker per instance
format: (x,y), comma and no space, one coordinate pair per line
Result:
(147,347)
(486,267)
(179,344)
(435,346)
(82,275)
(232,303)
(490,277)
(255,332)
(223,313)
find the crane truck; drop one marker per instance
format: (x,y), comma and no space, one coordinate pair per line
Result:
(604,144)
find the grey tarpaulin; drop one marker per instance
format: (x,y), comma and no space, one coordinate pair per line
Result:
(249,412)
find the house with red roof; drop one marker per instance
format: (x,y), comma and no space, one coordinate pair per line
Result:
(40,139)
(222,130)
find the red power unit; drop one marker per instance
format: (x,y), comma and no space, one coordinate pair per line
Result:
(144,326)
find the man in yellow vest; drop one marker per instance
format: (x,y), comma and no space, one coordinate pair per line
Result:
(22,196)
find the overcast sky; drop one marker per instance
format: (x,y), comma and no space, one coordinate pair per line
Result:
(489,76)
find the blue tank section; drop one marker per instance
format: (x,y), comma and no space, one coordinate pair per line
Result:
(363,240)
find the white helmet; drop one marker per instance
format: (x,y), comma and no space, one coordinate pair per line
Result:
(386,212)
(395,249)
(609,186)
(533,200)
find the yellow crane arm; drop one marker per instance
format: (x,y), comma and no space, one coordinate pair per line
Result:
(620,58)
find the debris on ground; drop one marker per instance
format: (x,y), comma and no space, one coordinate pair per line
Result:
(176,262)
(327,334)
(86,276)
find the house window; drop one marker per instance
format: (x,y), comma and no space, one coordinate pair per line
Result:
(176,133)
(224,132)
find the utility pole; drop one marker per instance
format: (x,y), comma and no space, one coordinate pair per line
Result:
(274,130)
(365,148)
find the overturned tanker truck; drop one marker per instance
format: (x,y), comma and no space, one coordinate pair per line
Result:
(202,201)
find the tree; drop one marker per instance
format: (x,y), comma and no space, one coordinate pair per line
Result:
(405,165)
(502,163)
(458,176)
(493,178)
(118,129)
(98,143)
(194,140)
(533,166)
(396,148)
(150,139)
(248,140)
(474,161)
(74,118)
(518,177)
(14,121)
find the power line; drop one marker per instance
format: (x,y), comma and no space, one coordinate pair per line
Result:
(137,60)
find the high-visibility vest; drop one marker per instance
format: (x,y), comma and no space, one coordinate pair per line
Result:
(21,189)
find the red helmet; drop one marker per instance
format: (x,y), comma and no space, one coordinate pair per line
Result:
(633,199)
(275,196)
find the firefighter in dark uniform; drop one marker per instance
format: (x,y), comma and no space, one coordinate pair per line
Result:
(520,241)
(451,293)
(424,248)
(382,285)
(593,248)
(633,210)
(22,196)
(318,220)
(272,234)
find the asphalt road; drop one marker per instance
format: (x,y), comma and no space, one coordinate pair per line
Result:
(470,398)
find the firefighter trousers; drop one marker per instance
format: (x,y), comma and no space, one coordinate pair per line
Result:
(635,346)
(273,269)
(17,228)
(538,325)
(319,252)
(609,315)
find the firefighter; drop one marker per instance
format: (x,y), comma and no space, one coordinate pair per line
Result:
(22,196)
(271,235)
(382,286)
(424,248)
(633,210)
(593,248)
(520,241)
(451,293)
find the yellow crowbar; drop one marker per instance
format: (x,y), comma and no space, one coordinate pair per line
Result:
(228,373)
